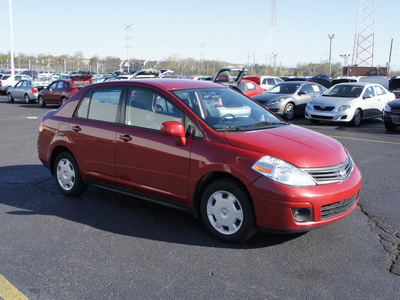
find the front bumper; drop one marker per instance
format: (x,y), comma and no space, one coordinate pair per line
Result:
(276,204)
(331,116)
(391,118)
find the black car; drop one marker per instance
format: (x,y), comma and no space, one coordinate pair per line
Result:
(324,80)
(394,86)
(391,115)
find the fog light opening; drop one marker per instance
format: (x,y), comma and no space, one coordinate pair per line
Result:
(302,214)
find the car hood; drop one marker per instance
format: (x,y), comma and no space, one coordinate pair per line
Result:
(266,98)
(299,146)
(332,101)
(395,104)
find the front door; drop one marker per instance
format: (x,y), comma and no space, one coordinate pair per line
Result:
(146,160)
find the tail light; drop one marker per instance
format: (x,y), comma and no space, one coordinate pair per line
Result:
(41,127)
(0,82)
(218,102)
(35,90)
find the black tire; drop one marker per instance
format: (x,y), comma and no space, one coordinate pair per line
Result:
(356,121)
(41,102)
(288,113)
(10,98)
(63,100)
(67,175)
(27,99)
(226,211)
(390,127)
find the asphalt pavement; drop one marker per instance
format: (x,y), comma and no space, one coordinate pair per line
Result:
(103,245)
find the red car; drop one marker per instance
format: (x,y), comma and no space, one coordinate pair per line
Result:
(166,141)
(250,88)
(58,92)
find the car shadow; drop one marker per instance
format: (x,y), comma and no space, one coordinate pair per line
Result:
(31,190)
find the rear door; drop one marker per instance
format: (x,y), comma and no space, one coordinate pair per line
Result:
(93,130)
(146,160)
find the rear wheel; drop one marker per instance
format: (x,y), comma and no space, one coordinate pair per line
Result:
(67,175)
(226,211)
(10,98)
(288,113)
(41,102)
(27,99)
(63,100)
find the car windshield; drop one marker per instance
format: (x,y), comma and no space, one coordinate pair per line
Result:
(284,88)
(394,84)
(345,91)
(224,109)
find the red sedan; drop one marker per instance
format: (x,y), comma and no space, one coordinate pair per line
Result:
(58,92)
(250,88)
(168,142)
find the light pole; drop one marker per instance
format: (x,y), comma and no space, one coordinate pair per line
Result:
(12,39)
(128,37)
(345,57)
(330,36)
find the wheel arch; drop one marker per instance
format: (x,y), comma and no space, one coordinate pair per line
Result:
(56,151)
(207,179)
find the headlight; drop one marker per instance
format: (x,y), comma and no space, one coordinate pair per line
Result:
(388,108)
(283,172)
(343,107)
(309,105)
(276,101)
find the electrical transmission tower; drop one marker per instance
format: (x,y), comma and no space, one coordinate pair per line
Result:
(363,50)
(271,53)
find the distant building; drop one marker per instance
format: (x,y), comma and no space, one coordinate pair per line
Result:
(365,71)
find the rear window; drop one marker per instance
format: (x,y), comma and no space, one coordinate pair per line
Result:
(394,84)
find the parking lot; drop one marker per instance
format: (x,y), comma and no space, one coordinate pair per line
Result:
(104,245)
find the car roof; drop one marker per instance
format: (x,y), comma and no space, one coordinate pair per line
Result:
(168,84)
(357,83)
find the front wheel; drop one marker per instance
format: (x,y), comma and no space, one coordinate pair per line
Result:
(356,121)
(390,127)
(41,102)
(288,113)
(67,175)
(226,211)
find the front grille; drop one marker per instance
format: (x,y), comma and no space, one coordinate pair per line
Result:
(396,119)
(332,174)
(321,117)
(396,111)
(325,108)
(338,208)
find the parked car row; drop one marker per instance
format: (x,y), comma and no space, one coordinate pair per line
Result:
(349,102)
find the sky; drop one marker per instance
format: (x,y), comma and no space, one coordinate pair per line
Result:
(228,30)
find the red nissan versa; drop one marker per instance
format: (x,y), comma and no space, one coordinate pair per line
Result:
(201,147)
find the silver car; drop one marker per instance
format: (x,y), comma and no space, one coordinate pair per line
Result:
(288,98)
(23,90)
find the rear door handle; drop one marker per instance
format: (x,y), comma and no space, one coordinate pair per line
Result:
(125,138)
(76,128)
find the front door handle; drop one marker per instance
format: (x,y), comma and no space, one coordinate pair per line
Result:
(125,138)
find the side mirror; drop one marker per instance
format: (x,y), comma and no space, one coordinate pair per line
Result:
(176,129)
(302,93)
(367,97)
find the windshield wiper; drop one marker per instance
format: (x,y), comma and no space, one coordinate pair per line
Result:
(263,125)
(231,128)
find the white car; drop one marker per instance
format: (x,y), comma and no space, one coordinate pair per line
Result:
(266,82)
(349,102)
